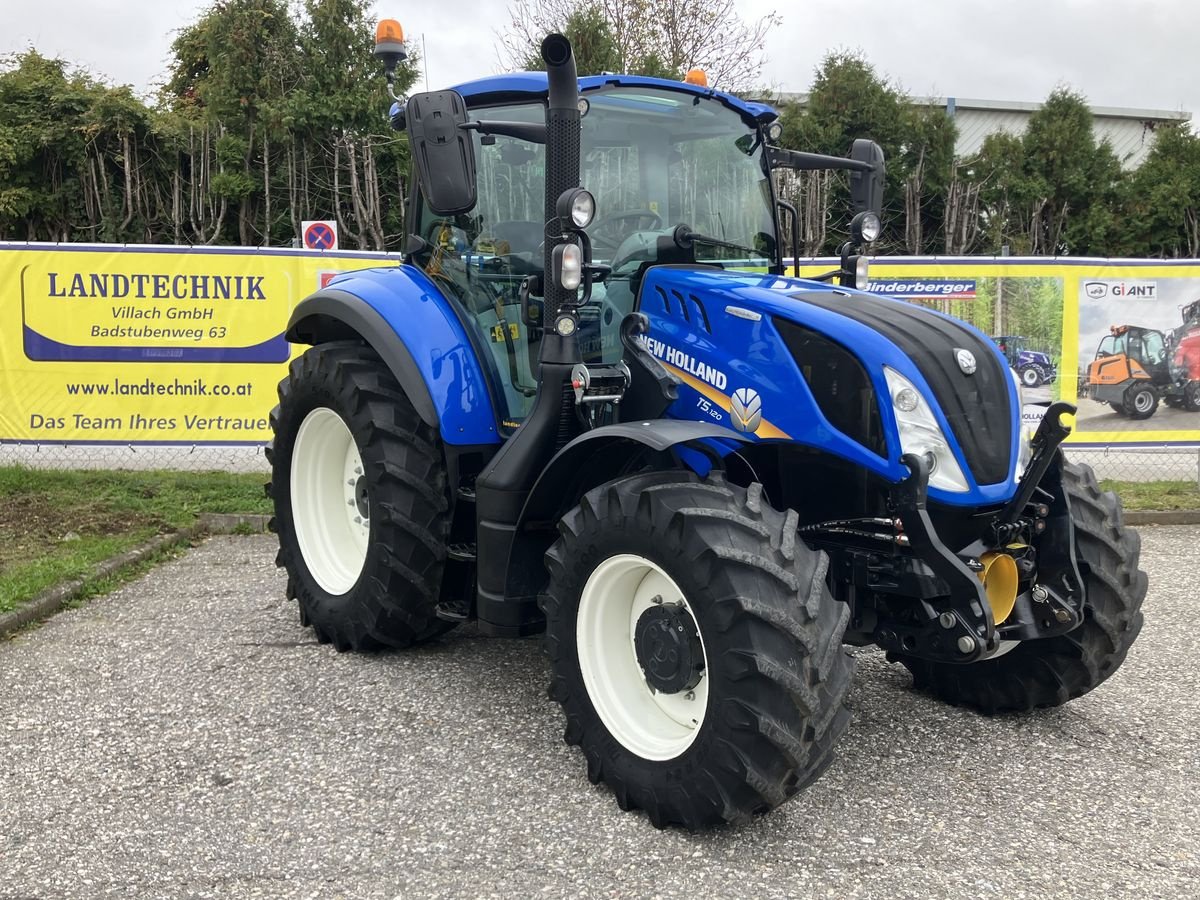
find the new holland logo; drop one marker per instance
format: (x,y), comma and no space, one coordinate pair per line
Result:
(966,361)
(746,410)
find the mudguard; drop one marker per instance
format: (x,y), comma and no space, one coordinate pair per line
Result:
(402,315)
(591,459)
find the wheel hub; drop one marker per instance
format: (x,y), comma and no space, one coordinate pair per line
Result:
(362,497)
(668,648)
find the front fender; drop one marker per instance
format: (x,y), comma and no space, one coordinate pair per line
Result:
(402,315)
(593,458)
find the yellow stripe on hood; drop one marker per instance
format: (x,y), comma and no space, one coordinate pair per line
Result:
(765,430)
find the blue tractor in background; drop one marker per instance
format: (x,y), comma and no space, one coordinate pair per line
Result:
(592,404)
(1033,367)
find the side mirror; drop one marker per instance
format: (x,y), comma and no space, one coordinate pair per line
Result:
(866,188)
(442,151)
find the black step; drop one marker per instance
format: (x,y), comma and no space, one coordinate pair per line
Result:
(461,552)
(467,492)
(453,610)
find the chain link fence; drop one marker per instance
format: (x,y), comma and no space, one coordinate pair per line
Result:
(1116,461)
(195,458)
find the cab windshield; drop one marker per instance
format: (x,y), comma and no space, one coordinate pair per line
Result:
(654,159)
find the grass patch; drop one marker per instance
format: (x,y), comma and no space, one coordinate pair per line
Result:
(1155,495)
(54,526)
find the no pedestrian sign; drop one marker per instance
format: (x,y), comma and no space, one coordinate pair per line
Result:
(320,235)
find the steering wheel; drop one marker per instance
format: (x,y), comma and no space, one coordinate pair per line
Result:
(612,223)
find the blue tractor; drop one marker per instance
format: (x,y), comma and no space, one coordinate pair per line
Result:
(1033,367)
(592,404)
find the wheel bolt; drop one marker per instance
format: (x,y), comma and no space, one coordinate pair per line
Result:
(946,620)
(966,644)
(690,695)
(1062,615)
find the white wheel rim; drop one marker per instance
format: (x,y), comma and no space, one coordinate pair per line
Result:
(1031,377)
(654,725)
(332,520)
(1142,401)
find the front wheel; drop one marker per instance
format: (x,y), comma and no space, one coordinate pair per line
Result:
(361,504)
(695,647)
(1051,671)
(1031,376)
(1141,401)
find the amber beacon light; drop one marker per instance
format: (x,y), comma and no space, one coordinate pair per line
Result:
(389,46)
(696,77)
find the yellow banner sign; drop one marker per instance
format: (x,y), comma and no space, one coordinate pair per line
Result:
(107,344)
(148,344)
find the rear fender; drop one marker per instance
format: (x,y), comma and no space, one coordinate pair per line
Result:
(402,315)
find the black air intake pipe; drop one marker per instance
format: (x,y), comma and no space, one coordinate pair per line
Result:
(562,153)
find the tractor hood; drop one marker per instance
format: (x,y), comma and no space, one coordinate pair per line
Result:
(807,362)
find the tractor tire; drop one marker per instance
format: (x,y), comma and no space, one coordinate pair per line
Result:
(1141,401)
(1191,396)
(361,501)
(1118,408)
(1031,376)
(1051,671)
(748,620)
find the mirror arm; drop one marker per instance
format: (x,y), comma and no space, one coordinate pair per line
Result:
(802,161)
(531,132)
(790,209)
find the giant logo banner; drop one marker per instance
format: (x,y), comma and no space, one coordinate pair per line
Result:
(163,345)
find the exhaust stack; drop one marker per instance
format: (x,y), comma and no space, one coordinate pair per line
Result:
(562,152)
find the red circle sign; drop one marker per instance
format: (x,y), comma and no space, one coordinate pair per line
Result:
(319,236)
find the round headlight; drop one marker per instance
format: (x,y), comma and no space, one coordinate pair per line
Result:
(575,207)
(862,273)
(865,227)
(583,209)
(871,227)
(906,399)
(774,131)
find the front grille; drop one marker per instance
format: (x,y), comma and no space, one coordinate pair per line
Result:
(976,406)
(839,384)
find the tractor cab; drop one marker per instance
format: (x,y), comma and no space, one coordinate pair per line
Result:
(1145,350)
(655,155)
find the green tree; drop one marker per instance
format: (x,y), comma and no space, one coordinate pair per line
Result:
(1162,201)
(849,99)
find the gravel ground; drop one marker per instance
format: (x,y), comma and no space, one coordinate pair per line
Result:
(185,737)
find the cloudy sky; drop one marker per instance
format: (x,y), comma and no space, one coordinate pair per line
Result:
(1134,54)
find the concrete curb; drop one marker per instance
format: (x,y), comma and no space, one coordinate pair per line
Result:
(1163,517)
(52,600)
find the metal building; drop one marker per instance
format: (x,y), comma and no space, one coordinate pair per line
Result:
(1129,131)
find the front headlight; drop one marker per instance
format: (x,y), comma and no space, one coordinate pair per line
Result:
(1025,435)
(921,434)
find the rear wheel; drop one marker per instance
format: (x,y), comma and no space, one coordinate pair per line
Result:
(1191,396)
(1118,408)
(1051,671)
(361,505)
(696,650)
(1141,400)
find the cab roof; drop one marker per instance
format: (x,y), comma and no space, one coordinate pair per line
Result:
(532,86)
